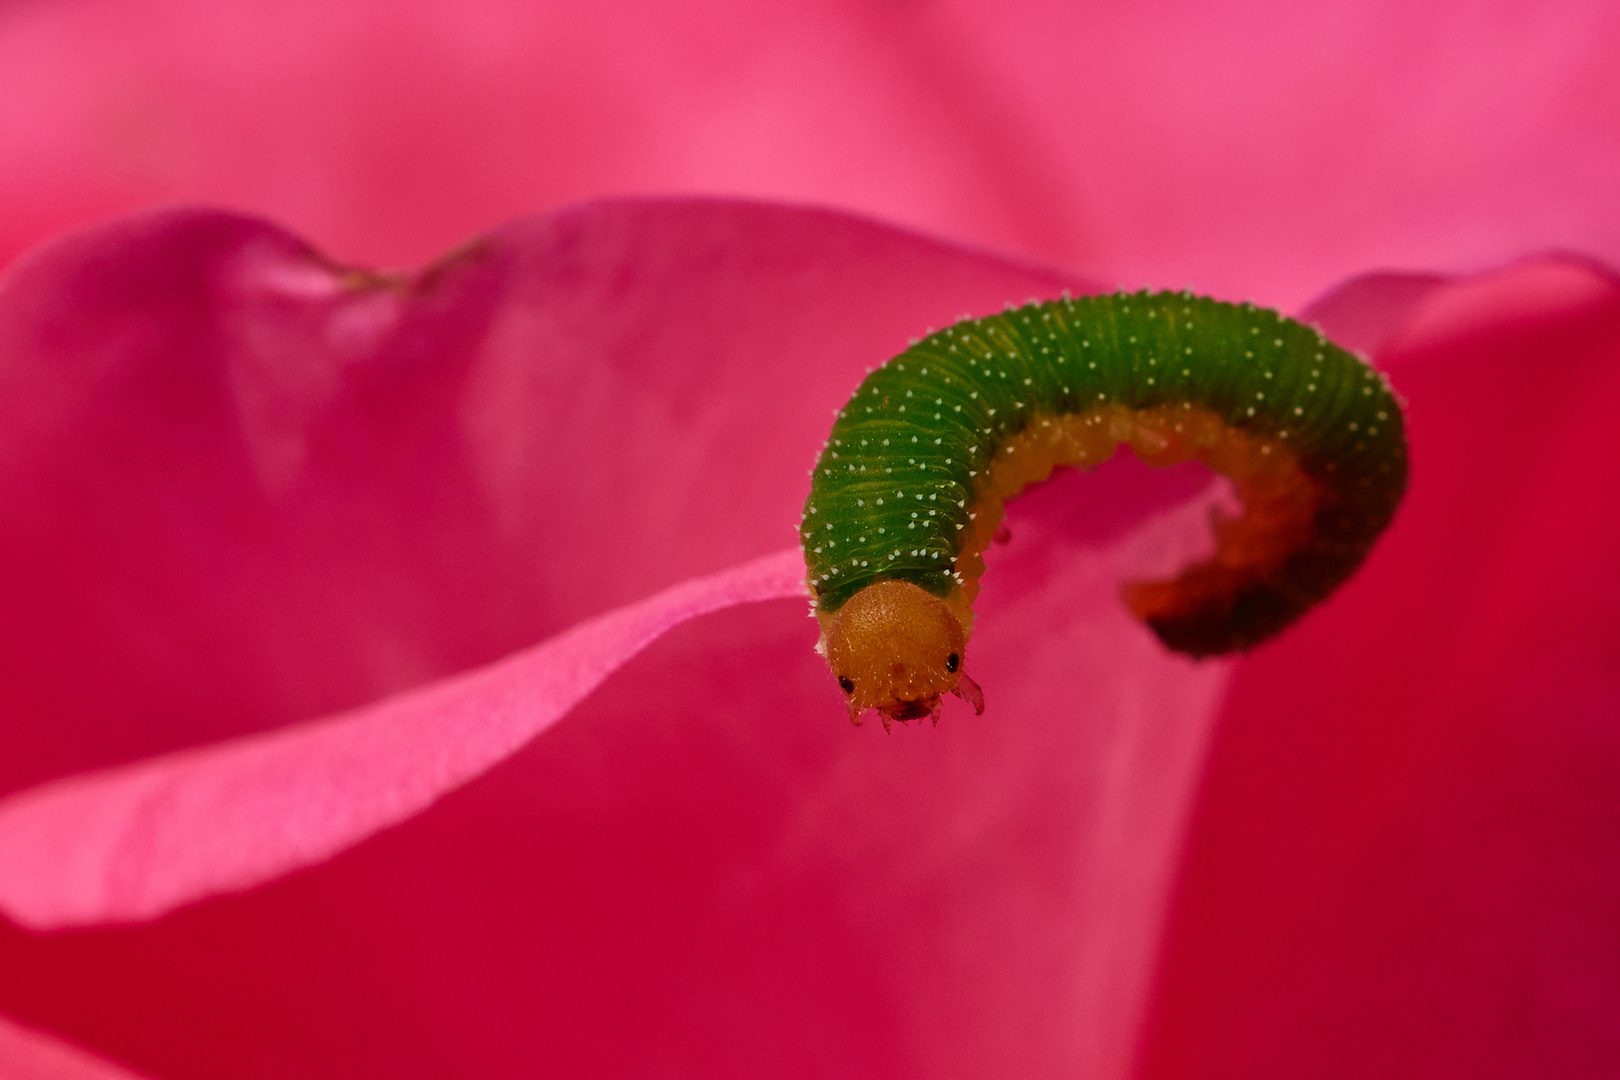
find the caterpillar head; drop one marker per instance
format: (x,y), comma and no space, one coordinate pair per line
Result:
(897,648)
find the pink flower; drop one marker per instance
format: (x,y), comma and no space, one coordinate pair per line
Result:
(246,489)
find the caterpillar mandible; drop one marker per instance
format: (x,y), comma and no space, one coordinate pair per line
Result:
(910,486)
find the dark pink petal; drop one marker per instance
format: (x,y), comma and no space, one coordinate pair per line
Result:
(1407,857)
(707,855)
(26,1054)
(133,842)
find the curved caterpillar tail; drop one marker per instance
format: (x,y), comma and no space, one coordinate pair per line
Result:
(910,487)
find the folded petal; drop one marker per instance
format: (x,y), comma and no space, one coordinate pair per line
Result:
(707,855)
(134,842)
(248,487)
(1405,857)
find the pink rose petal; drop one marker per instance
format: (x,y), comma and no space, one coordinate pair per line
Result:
(248,488)
(1406,860)
(26,1054)
(133,842)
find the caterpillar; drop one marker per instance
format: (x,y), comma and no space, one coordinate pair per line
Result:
(910,487)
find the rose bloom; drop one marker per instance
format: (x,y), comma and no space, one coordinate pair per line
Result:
(406,673)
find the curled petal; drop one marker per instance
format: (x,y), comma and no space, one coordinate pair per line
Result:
(134,842)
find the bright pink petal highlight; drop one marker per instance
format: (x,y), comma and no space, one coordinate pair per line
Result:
(133,842)
(27,1054)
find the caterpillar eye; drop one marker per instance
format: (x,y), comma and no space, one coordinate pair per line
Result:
(952,662)
(848,684)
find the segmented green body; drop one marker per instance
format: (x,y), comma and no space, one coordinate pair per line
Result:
(903,469)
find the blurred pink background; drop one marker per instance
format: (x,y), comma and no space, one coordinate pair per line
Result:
(1245,149)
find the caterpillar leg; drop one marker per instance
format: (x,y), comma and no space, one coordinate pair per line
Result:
(968,691)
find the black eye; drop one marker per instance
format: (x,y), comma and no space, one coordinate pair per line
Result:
(847,683)
(952,662)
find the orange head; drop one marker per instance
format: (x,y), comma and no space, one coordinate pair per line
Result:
(897,648)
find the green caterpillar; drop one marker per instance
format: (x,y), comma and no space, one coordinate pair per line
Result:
(910,486)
